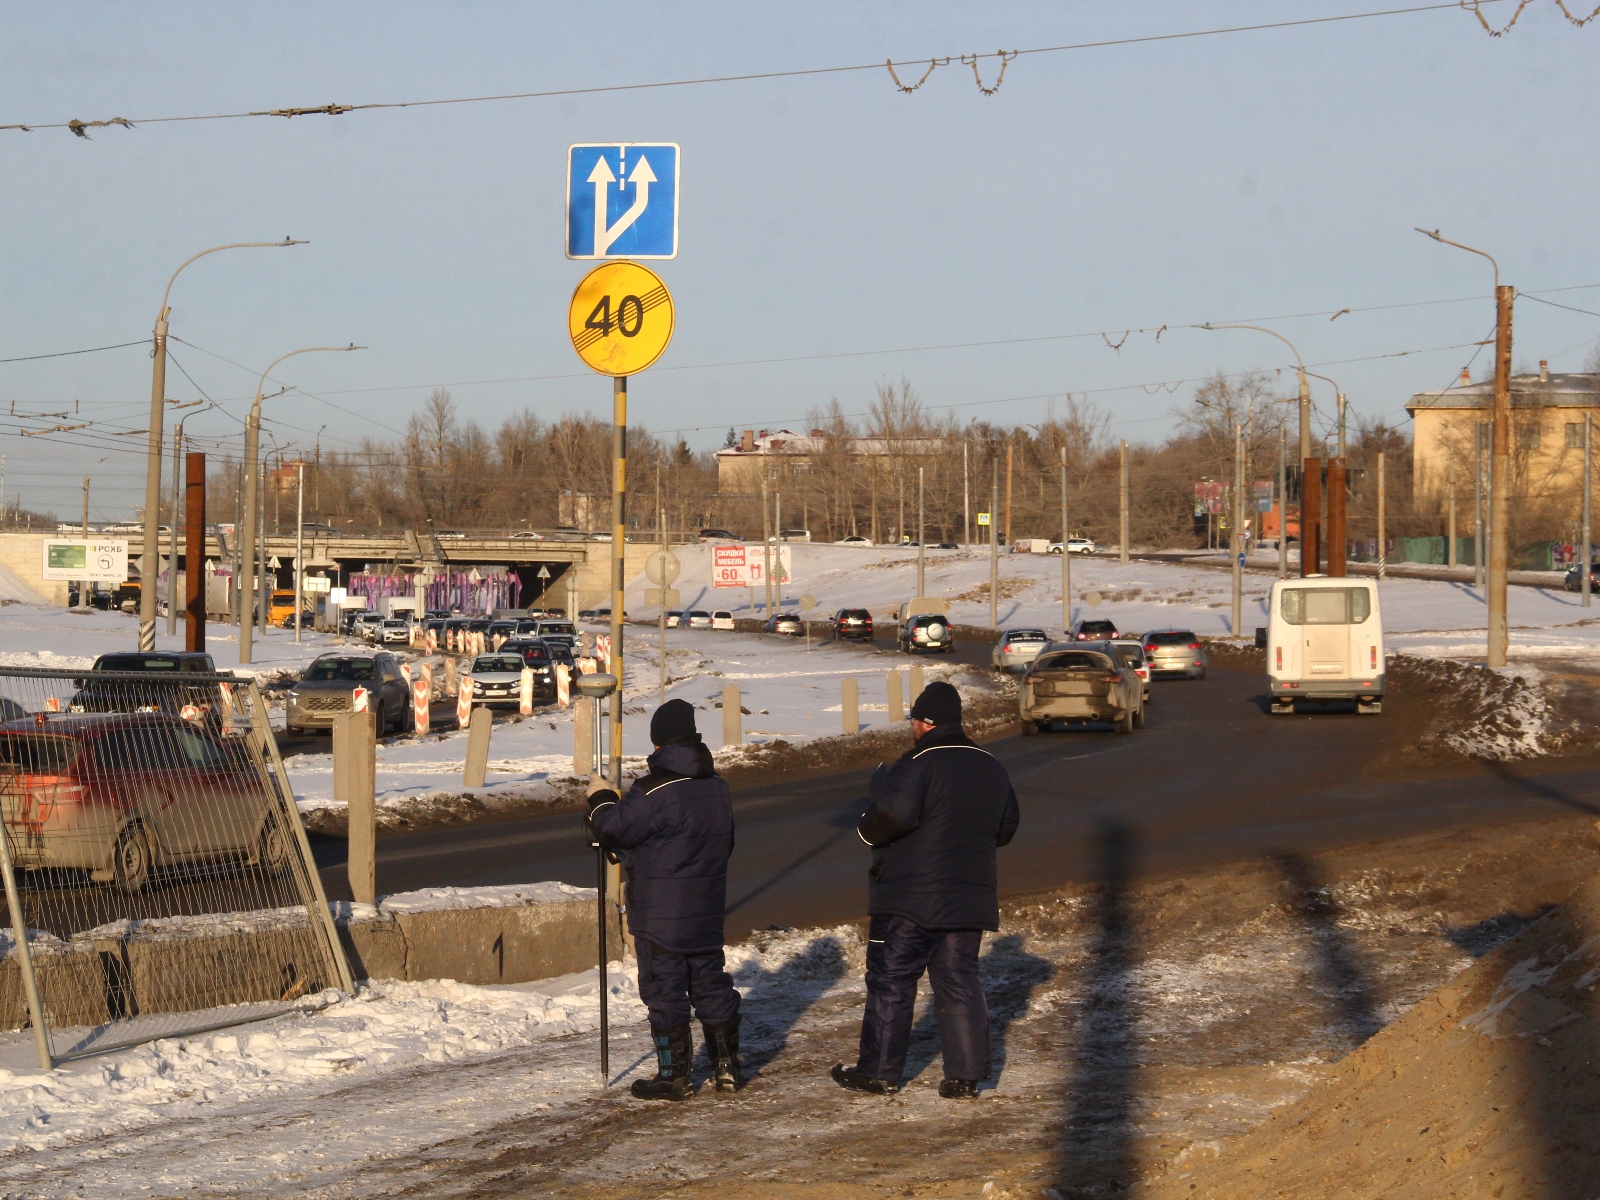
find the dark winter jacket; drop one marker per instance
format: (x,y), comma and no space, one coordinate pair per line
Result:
(675,829)
(935,819)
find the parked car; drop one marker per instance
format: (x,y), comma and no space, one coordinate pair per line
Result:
(1017,648)
(497,680)
(699,618)
(394,632)
(367,626)
(122,795)
(853,624)
(1574,579)
(540,659)
(1080,684)
(1085,629)
(928,633)
(132,695)
(944,546)
(1175,652)
(1075,545)
(674,616)
(285,618)
(794,535)
(450,535)
(719,535)
(721,618)
(785,623)
(328,687)
(1133,658)
(527,535)
(855,539)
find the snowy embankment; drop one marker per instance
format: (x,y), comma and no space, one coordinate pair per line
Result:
(281,1075)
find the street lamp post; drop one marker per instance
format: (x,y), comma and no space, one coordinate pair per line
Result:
(172,536)
(1305,428)
(252,444)
(152,481)
(1500,462)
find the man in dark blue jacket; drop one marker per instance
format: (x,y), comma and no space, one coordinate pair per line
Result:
(934,822)
(675,831)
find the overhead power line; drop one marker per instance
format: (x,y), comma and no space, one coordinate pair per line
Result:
(1004,57)
(69,353)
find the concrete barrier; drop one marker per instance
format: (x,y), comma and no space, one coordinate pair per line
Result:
(509,934)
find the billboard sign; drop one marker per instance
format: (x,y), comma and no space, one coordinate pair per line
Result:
(98,561)
(745,566)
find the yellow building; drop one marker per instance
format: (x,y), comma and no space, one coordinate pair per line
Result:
(1547,416)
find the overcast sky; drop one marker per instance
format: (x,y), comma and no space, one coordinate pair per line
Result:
(827,218)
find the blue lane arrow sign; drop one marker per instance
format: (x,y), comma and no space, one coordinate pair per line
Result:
(622,200)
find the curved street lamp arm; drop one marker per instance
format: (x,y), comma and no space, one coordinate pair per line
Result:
(1299,363)
(230,246)
(1435,235)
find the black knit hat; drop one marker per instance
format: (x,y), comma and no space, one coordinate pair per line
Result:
(939,704)
(673,722)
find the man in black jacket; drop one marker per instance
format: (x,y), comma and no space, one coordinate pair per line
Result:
(934,821)
(675,831)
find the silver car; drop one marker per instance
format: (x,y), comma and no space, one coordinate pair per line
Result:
(1017,648)
(394,631)
(329,685)
(1175,652)
(497,680)
(1133,657)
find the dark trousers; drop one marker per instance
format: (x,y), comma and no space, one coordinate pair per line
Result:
(898,952)
(669,983)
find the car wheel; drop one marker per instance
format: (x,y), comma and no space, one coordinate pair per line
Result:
(273,848)
(1138,719)
(1124,723)
(1030,728)
(131,864)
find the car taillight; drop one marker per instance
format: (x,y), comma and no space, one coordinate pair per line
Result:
(1150,649)
(1113,678)
(1280,658)
(44,793)
(1194,645)
(1374,658)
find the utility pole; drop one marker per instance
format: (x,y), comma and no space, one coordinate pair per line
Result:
(1341,425)
(1450,520)
(1123,504)
(172,537)
(766,543)
(966,495)
(922,550)
(1283,505)
(1010,446)
(1236,542)
(1066,558)
(1479,543)
(994,548)
(299,545)
(1383,539)
(1500,464)
(152,482)
(1500,478)
(666,583)
(777,534)
(84,584)
(263,591)
(1588,496)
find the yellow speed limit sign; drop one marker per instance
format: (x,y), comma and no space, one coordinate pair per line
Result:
(620,318)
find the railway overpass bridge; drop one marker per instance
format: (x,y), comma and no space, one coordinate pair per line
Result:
(349,551)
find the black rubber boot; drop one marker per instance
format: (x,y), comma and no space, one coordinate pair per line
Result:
(958,1089)
(856,1080)
(674,1056)
(722,1048)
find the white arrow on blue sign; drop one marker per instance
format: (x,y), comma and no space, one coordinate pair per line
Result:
(622,200)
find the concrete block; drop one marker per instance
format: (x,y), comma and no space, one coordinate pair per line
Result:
(376,949)
(72,988)
(180,974)
(503,945)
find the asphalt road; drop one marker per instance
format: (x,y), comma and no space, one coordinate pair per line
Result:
(1210,780)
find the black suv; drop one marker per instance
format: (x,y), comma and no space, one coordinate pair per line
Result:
(1084,630)
(853,623)
(117,695)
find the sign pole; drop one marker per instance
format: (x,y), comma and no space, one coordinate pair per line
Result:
(619,514)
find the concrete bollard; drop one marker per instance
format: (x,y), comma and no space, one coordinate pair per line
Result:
(897,704)
(916,683)
(850,706)
(583,739)
(732,718)
(355,750)
(478,726)
(563,685)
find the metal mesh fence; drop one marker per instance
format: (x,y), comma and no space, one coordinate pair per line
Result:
(154,856)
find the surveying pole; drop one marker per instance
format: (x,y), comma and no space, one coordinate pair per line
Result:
(619,547)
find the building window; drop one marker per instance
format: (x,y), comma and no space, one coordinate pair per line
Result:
(1574,435)
(1528,437)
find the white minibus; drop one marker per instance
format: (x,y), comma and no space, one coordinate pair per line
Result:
(1325,643)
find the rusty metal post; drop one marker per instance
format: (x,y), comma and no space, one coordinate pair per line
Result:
(1311,517)
(194,553)
(1336,517)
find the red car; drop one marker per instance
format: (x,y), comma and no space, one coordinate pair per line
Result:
(121,795)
